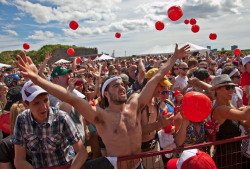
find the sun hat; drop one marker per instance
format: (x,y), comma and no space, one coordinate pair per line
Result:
(151,73)
(59,71)
(192,159)
(30,91)
(124,77)
(221,80)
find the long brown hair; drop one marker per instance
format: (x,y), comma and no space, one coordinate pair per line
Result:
(15,110)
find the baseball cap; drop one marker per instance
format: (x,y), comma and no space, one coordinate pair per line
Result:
(9,79)
(59,71)
(246,60)
(13,95)
(124,77)
(150,74)
(30,91)
(192,158)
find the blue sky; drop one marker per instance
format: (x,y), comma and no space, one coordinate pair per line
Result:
(42,22)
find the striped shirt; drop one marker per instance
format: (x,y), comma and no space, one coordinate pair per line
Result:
(50,142)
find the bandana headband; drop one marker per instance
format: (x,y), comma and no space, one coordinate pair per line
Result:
(106,83)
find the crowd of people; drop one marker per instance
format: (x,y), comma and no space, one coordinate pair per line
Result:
(88,114)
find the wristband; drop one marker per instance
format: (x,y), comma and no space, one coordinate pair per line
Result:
(97,86)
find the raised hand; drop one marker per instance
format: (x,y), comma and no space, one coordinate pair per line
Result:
(72,82)
(182,52)
(27,67)
(48,56)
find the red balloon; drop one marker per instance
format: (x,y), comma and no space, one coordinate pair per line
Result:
(73,25)
(26,46)
(5,123)
(195,28)
(159,25)
(186,21)
(192,21)
(71,51)
(118,35)
(78,59)
(175,13)
(196,106)
(237,51)
(213,36)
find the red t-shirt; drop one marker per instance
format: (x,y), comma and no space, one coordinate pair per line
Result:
(245,80)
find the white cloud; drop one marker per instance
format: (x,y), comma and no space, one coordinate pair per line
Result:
(4,2)
(66,10)
(16,19)
(40,35)
(11,32)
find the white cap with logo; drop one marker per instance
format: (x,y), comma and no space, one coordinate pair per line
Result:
(30,91)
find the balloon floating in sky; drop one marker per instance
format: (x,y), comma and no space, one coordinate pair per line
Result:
(196,106)
(212,36)
(73,25)
(175,13)
(195,28)
(26,46)
(192,21)
(186,21)
(159,25)
(78,59)
(237,51)
(118,35)
(71,51)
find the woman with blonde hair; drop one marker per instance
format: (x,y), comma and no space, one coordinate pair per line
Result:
(229,119)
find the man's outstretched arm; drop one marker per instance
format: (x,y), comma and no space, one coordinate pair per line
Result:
(29,70)
(147,92)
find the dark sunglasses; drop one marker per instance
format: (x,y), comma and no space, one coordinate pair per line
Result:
(228,87)
(238,77)
(165,92)
(213,64)
(184,69)
(175,68)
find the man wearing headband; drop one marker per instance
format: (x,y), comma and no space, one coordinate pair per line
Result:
(119,123)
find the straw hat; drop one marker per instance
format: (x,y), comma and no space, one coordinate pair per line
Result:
(164,81)
(221,80)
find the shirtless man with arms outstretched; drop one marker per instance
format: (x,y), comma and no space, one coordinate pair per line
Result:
(119,123)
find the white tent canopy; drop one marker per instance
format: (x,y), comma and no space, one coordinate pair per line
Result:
(4,65)
(170,49)
(104,57)
(62,61)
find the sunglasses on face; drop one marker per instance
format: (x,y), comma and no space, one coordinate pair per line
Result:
(213,64)
(228,87)
(175,68)
(114,73)
(165,92)
(236,76)
(184,69)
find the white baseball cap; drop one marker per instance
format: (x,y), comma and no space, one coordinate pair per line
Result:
(246,60)
(192,158)
(30,91)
